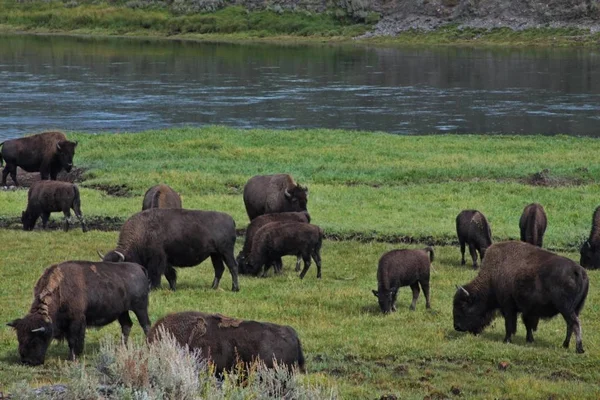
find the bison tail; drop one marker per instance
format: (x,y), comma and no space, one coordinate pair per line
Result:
(301,361)
(429,250)
(1,162)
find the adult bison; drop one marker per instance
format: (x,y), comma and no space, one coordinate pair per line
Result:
(73,295)
(474,230)
(161,196)
(590,251)
(258,223)
(163,238)
(517,277)
(268,194)
(227,341)
(45,197)
(533,224)
(47,152)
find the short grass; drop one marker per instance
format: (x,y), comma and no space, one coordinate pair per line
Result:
(348,343)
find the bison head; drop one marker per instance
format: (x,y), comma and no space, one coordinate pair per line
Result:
(470,311)
(112,256)
(243,266)
(590,256)
(296,198)
(65,151)
(34,333)
(28,219)
(386,299)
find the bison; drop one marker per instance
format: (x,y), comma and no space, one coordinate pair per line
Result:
(227,341)
(533,224)
(258,223)
(45,197)
(163,238)
(161,196)
(399,268)
(73,295)
(473,229)
(268,194)
(517,277)
(47,152)
(590,251)
(278,239)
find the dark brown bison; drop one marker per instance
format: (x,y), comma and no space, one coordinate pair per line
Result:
(163,238)
(278,239)
(473,229)
(258,223)
(47,152)
(590,251)
(46,197)
(161,196)
(517,277)
(227,341)
(399,268)
(268,194)
(533,224)
(73,295)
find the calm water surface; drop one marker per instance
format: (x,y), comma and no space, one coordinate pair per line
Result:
(132,85)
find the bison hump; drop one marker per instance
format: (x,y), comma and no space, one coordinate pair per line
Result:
(227,322)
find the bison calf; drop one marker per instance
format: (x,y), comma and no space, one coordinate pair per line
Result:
(258,223)
(399,268)
(473,230)
(46,197)
(516,277)
(161,196)
(73,295)
(227,341)
(278,239)
(533,224)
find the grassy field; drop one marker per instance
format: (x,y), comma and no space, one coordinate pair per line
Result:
(372,187)
(199,21)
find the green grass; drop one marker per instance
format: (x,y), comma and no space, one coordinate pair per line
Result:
(362,185)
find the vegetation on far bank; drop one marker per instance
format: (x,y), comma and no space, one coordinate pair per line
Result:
(214,20)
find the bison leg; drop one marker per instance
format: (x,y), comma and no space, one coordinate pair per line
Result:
(171,276)
(233,270)
(79,215)
(317,257)
(126,325)
(306,259)
(67,215)
(76,338)
(462,252)
(473,253)
(278,265)
(141,312)
(510,324)
(394,298)
(573,324)
(156,267)
(217,262)
(415,291)
(298,261)
(8,169)
(531,324)
(45,218)
(425,287)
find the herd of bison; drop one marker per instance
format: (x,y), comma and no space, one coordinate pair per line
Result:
(515,276)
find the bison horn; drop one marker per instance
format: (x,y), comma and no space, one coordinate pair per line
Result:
(121,256)
(462,289)
(58,146)
(100,254)
(287,194)
(42,329)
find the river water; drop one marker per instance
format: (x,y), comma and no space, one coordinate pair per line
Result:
(122,85)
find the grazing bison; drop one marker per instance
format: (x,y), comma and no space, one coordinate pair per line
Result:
(278,239)
(47,152)
(590,251)
(73,295)
(399,268)
(473,229)
(258,223)
(227,341)
(161,196)
(45,197)
(533,224)
(163,238)
(517,277)
(268,194)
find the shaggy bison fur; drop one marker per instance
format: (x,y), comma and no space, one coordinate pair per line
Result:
(590,251)
(268,194)
(258,223)
(473,230)
(278,239)
(73,295)
(517,277)
(533,224)
(399,268)
(161,196)
(48,153)
(163,238)
(46,197)
(227,341)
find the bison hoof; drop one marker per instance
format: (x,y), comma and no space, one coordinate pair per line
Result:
(580,350)
(507,340)
(235,289)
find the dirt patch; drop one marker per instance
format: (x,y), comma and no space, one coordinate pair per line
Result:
(563,375)
(97,223)
(113,190)
(26,179)
(545,178)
